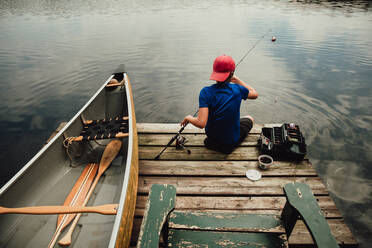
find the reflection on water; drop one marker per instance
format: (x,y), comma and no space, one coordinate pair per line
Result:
(55,54)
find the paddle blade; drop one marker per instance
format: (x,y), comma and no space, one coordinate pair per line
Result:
(110,152)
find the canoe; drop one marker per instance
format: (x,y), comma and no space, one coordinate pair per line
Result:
(49,176)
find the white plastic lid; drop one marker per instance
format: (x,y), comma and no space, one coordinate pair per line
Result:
(253,175)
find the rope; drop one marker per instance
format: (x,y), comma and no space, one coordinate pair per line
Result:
(67,143)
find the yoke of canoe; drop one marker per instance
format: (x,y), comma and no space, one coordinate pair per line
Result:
(50,175)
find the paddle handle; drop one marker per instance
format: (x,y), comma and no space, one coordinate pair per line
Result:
(78,193)
(108,209)
(66,240)
(75,198)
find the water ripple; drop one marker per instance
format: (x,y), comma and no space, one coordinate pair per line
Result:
(55,54)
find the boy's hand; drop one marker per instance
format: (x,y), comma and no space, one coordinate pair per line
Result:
(186,120)
(235,79)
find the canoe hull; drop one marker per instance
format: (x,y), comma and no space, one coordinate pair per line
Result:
(48,178)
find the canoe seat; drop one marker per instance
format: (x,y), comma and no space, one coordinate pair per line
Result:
(104,129)
(227,229)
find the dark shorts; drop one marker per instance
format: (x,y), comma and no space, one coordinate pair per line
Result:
(246,125)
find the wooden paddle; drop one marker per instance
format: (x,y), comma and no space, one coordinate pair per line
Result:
(108,209)
(111,150)
(76,197)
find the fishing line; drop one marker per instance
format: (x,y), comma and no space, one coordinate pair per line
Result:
(258,41)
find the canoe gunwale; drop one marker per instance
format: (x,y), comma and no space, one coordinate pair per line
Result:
(21,172)
(116,227)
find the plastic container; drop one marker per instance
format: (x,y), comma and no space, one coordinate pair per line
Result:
(265,161)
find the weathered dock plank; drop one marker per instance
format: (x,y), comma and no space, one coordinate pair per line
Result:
(229,185)
(254,204)
(206,180)
(198,153)
(146,139)
(301,236)
(328,213)
(161,128)
(224,168)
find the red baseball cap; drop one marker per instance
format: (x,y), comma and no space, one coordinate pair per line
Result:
(222,67)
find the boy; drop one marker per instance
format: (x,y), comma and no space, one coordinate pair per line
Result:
(219,108)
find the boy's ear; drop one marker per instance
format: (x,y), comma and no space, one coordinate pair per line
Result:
(229,77)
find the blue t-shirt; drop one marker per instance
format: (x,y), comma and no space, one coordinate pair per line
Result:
(223,102)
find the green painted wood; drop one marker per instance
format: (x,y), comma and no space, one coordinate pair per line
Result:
(161,202)
(222,221)
(190,238)
(300,198)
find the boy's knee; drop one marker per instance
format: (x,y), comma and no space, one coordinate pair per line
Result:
(248,116)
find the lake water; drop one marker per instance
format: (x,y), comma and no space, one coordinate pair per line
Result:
(55,54)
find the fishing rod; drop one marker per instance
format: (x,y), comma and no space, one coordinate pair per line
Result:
(182,128)
(174,138)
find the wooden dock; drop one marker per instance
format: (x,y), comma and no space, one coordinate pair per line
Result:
(211,181)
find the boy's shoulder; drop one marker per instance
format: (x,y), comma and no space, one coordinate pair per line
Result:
(208,88)
(223,86)
(217,88)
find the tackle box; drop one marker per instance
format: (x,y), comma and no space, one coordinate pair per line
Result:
(285,141)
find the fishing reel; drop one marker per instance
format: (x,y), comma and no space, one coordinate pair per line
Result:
(180,144)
